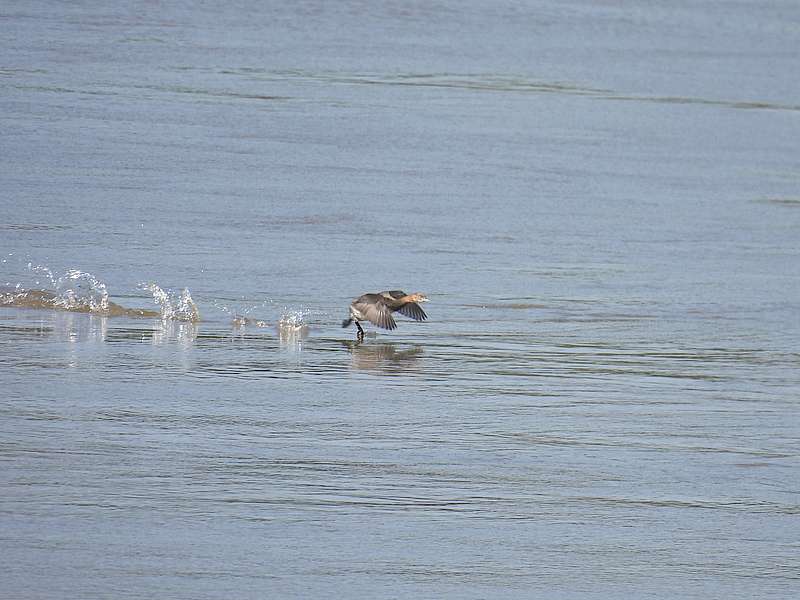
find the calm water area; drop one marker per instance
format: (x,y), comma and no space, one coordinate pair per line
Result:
(600,199)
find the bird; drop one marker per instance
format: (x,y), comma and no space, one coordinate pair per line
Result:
(378,309)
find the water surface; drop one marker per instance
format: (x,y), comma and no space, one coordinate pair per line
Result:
(602,202)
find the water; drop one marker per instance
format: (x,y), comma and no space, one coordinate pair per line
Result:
(601,201)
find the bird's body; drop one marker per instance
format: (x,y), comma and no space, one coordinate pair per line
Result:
(378,309)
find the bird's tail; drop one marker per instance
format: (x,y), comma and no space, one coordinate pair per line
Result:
(346,322)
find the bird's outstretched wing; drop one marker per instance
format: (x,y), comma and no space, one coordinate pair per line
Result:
(412,310)
(375,311)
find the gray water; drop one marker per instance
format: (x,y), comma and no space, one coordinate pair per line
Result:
(601,200)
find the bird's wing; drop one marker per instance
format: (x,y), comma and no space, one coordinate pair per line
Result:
(375,311)
(413,311)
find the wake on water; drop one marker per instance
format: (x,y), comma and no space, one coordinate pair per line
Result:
(80,291)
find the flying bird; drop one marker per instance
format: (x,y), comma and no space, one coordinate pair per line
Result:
(378,309)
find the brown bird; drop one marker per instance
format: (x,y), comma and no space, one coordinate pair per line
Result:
(378,309)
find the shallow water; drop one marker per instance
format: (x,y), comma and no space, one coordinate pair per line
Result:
(602,203)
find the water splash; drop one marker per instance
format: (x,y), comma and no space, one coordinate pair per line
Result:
(177,307)
(240,321)
(292,320)
(240,312)
(9,296)
(78,290)
(292,328)
(75,290)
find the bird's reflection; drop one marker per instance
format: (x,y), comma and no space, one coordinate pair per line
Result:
(382,357)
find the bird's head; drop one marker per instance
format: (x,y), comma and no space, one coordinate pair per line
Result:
(417,297)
